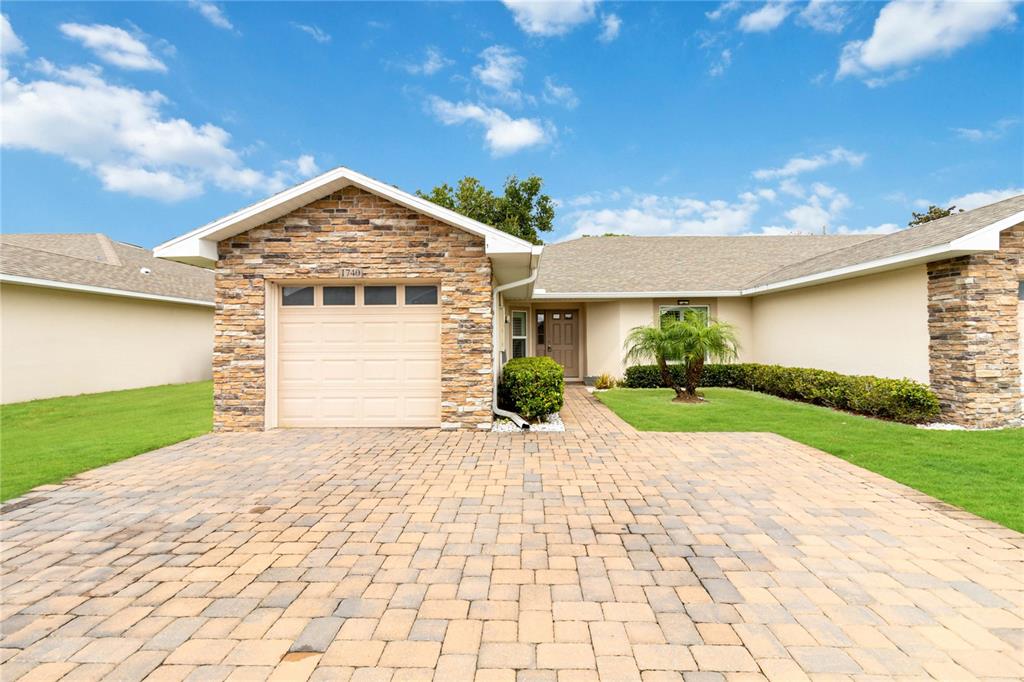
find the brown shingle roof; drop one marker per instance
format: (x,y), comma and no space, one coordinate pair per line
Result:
(930,234)
(694,264)
(95,260)
(674,264)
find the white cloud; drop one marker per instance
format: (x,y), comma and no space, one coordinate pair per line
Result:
(720,66)
(114,46)
(212,13)
(723,9)
(884,228)
(821,209)
(546,18)
(314,32)
(433,61)
(121,135)
(768,18)
(611,24)
(657,215)
(827,16)
(501,70)
(10,43)
(994,132)
(560,94)
(984,198)
(908,31)
(503,134)
(304,166)
(799,164)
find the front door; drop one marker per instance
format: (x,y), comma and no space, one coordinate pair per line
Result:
(562,332)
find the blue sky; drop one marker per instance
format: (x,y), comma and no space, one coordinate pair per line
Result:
(146,120)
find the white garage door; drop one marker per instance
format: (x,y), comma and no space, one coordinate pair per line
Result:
(359,355)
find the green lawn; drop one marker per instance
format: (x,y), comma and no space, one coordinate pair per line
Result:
(980,471)
(46,441)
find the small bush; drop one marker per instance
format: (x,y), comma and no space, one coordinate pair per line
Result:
(532,387)
(605,381)
(900,400)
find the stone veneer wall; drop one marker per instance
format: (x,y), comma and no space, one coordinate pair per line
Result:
(352,229)
(974,332)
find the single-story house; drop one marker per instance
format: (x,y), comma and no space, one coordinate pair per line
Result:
(345,301)
(82,313)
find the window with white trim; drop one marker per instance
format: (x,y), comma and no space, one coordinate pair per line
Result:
(519,332)
(676,312)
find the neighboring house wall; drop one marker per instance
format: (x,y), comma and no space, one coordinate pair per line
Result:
(875,324)
(974,326)
(352,229)
(57,343)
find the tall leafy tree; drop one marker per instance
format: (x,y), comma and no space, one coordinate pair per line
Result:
(523,210)
(933,213)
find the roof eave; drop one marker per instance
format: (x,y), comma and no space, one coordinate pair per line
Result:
(103,291)
(199,247)
(984,239)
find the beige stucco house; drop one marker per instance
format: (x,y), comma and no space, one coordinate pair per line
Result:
(82,313)
(347,302)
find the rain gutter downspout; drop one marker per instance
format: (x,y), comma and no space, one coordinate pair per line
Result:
(496,353)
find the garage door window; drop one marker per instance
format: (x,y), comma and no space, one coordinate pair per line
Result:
(379,296)
(420,295)
(339,295)
(297,295)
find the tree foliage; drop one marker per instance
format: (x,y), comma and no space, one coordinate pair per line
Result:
(933,213)
(523,210)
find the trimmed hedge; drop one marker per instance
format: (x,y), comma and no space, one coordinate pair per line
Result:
(532,387)
(900,400)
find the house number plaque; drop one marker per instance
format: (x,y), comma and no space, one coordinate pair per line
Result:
(351,273)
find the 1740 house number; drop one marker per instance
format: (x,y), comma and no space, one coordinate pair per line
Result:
(351,273)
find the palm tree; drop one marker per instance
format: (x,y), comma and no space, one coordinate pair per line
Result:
(691,341)
(658,344)
(703,339)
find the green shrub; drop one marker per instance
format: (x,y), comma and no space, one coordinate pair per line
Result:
(532,387)
(605,381)
(900,400)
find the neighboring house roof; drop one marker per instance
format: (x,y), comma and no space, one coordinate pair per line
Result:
(673,265)
(748,265)
(199,247)
(95,263)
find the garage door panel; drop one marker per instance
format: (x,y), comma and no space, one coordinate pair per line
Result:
(380,332)
(428,370)
(424,408)
(345,372)
(298,333)
(359,366)
(296,408)
(298,371)
(427,331)
(338,408)
(340,333)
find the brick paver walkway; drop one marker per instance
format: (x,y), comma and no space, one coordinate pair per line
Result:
(418,555)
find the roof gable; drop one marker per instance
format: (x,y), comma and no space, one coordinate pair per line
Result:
(199,247)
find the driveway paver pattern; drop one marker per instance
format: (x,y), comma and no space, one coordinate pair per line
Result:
(600,553)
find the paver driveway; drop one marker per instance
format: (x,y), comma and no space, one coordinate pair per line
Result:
(418,555)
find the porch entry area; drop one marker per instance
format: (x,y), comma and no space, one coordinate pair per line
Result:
(555,333)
